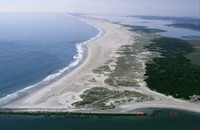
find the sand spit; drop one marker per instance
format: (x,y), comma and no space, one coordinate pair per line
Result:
(61,94)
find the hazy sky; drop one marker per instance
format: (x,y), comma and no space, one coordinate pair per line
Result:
(135,7)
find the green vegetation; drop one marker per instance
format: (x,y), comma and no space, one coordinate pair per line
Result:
(92,80)
(195,55)
(125,82)
(143,29)
(132,95)
(93,95)
(112,81)
(123,66)
(102,69)
(192,26)
(179,22)
(123,73)
(173,74)
(100,98)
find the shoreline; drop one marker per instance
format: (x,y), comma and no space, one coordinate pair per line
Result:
(78,58)
(106,53)
(59,95)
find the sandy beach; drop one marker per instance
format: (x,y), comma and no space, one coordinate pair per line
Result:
(65,91)
(62,93)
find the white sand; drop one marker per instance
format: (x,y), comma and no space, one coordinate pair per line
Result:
(65,91)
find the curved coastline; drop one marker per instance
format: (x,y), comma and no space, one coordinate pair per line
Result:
(50,99)
(78,59)
(67,85)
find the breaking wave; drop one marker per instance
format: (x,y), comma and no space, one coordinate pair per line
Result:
(77,60)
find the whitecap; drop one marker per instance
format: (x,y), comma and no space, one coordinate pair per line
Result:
(77,60)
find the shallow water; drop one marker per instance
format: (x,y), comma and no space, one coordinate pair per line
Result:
(152,23)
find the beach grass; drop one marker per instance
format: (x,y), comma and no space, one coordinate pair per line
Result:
(127,96)
(92,96)
(102,69)
(103,98)
(123,73)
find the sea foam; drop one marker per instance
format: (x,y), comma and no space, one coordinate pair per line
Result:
(77,60)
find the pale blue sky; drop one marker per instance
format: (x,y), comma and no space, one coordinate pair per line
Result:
(131,7)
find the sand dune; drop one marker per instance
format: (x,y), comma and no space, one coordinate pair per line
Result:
(65,91)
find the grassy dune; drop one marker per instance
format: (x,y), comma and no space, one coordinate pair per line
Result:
(103,98)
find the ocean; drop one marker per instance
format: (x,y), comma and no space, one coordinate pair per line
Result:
(37,48)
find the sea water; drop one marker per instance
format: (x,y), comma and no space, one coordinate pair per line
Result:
(52,46)
(36,48)
(157,119)
(169,31)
